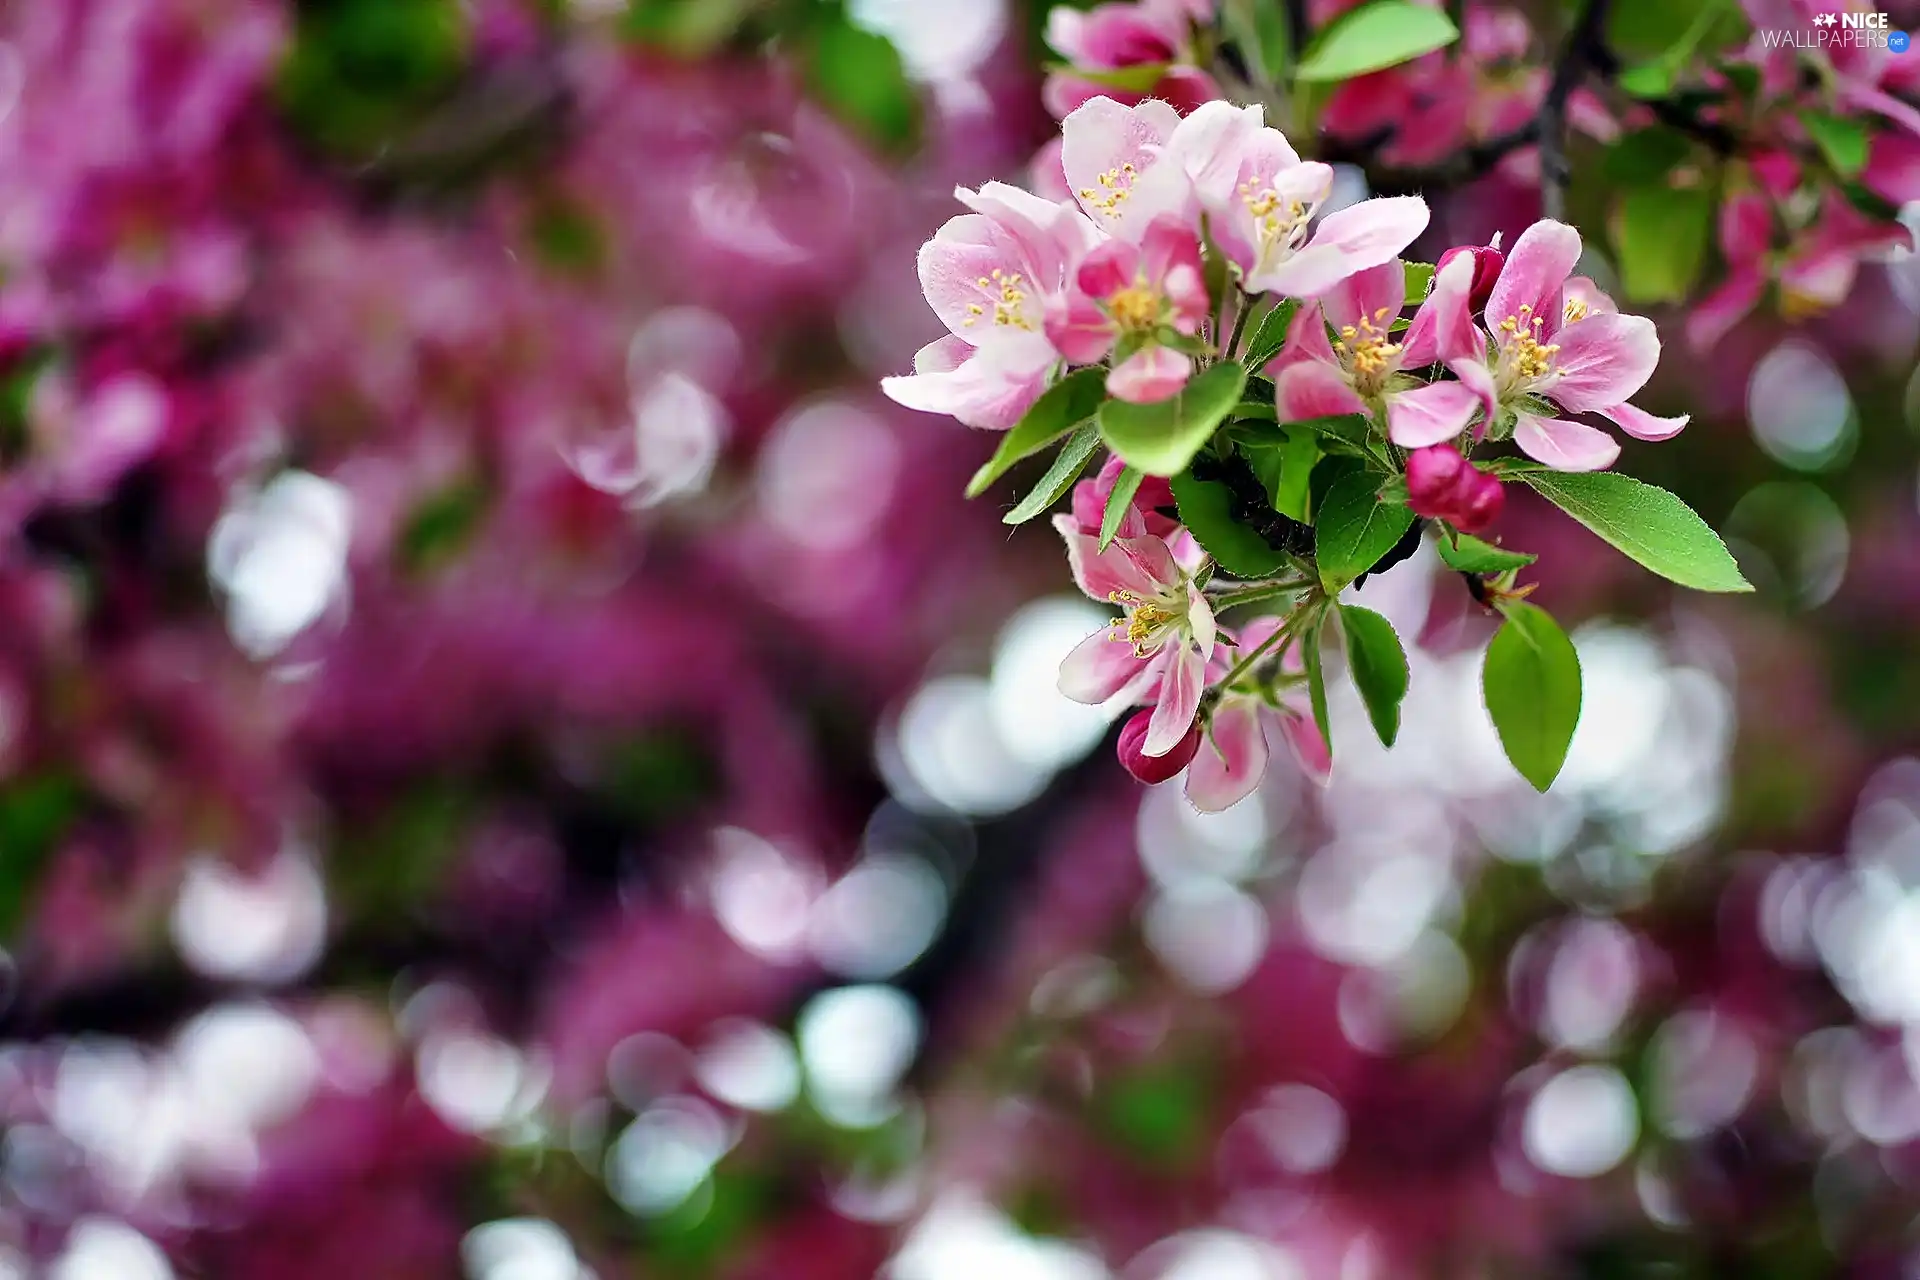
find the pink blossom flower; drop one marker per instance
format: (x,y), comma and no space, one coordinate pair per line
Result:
(1557,342)
(1233,759)
(1816,270)
(1442,485)
(988,275)
(1117,163)
(1262,199)
(1316,377)
(1123,37)
(1127,295)
(1164,639)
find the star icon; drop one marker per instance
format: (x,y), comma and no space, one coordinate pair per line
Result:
(1823,19)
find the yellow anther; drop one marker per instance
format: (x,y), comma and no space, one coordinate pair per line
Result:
(1576,310)
(1136,308)
(1115,186)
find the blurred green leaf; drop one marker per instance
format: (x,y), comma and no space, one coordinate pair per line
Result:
(687,28)
(1159,1113)
(1662,233)
(1379,34)
(1259,28)
(35,811)
(1843,141)
(360,71)
(859,76)
(441,526)
(1648,80)
(1644,156)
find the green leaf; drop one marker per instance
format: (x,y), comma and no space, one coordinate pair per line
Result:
(1644,156)
(1465,553)
(1064,406)
(1531,682)
(1259,27)
(1066,468)
(1382,33)
(1161,438)
(1353,529)
(1653,527)
(1648,80)
(1291,495)
(1125,485)
(1271,333)
(1140,78)
(858,75)
(1378,666)
(1253,411)
(1842,141)
(1662,234)
(1316,678)
(1206,508)
(1419,281)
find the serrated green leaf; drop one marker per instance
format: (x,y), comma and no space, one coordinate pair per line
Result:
(1125,485)
(1206,508)
(1161,438)
(1379,34)
(1271,333)
(1531,683)
(1843,141)
(1253,411)
(1652,527)
(1378,666)
(1064,406)
(1465,553)
(1353,529)
(1662,233)
(1066,468)
(1419,281)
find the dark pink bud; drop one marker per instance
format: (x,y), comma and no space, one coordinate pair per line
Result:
(1152,769)
(1482,506)
(1433,480)
(1487,262)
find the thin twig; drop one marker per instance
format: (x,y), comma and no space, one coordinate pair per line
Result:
(1585,50)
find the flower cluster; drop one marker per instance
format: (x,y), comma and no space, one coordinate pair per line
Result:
(1267,401)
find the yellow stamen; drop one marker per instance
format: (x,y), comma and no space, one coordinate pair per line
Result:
(1116,185)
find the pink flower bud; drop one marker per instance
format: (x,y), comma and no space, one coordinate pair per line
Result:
(1442,485)
(1152,769)
(1433,480)
(1482,505)
(1487,262)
